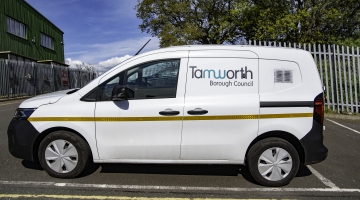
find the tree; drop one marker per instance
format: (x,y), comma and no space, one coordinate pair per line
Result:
(350,41)
(178,22)
(304,21)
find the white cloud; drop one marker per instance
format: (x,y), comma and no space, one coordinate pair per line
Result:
(102,66)
(106,56)
(110,63)
(73,63)
(96,53)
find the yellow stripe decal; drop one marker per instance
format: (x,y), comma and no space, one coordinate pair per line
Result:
(187,118)
(224,117)
(288,115)
(136,119)
(57,119)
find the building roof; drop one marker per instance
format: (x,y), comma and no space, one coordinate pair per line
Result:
(52,61)
(5,53)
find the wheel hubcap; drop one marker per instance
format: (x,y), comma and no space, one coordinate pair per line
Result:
(275,164)
(61,156)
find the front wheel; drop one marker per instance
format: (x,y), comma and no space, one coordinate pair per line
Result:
(273,162)
(63,154)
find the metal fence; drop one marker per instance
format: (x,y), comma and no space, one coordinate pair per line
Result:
(339,69)
(20,79)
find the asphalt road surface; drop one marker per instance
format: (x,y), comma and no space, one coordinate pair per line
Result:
(337,177)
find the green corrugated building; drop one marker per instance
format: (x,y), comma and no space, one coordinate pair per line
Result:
(26,35)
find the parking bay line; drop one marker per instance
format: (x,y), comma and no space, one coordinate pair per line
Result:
(178,188)
(343,126)
(101,197)
(324,180)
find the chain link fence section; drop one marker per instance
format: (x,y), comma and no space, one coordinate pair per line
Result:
(22,79)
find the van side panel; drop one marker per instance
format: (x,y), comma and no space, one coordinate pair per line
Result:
(293,98)
(69,112)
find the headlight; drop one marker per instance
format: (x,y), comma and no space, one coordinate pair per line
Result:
(23,113)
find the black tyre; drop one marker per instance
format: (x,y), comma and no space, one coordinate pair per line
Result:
(273,162)
(64,154)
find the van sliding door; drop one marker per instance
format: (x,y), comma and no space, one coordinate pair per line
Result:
(221,105)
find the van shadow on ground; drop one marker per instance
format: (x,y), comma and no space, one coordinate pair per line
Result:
(196,170)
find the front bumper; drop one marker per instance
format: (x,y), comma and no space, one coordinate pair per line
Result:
(314,149)
(21,138)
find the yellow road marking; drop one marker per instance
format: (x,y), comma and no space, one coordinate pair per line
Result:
(187,118)
(99,197)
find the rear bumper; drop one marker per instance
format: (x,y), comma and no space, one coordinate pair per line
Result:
(313,145)
(21,139)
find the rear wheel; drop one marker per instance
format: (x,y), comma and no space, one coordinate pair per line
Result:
(63,154)
(273,162)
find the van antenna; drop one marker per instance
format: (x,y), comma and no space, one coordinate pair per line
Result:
(142,47)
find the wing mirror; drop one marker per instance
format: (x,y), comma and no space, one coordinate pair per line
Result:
(120,93)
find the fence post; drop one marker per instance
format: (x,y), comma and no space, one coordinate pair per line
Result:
(358,59)
(8,77)
(326,76)
(53,74)
(80,79)
(350,81)
(35,75)
(354,74)
(340,77)
(344,82)
(335,86)
(69,78)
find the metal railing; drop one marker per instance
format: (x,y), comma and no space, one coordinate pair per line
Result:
(21,79)
(339,69)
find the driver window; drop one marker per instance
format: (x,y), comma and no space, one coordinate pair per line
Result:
(105,90)
(154,80)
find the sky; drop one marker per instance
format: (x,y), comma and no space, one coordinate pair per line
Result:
(101,33)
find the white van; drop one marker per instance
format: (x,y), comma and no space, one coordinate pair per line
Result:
(256,106)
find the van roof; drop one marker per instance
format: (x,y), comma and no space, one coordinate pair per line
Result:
(263,52)
(220,46)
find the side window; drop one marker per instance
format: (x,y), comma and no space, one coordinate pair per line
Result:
(105,89)
(154,80)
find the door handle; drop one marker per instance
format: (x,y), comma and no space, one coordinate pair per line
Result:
(197,111)
(169,112)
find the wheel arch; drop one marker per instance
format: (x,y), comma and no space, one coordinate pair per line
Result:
(46,132)
(285,136)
